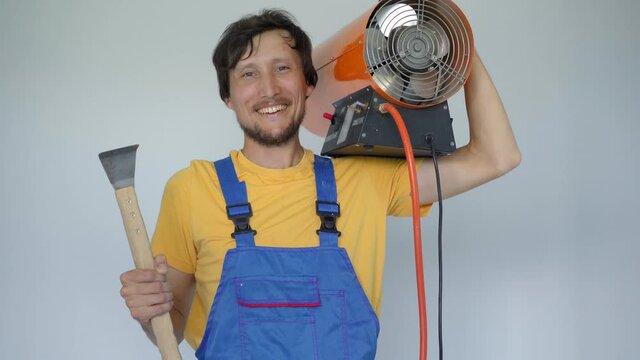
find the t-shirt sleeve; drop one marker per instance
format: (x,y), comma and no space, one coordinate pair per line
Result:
(400,191)
(172,236)
(383,181)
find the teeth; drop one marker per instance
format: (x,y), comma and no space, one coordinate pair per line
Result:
(272,109)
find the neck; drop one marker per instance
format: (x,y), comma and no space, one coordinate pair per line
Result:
(274,157)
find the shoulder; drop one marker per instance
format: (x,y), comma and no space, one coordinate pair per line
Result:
(354,165)
(198,171)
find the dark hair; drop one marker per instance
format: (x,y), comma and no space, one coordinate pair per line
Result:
(238,36)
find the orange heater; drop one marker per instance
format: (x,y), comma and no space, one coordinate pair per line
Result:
(412,54)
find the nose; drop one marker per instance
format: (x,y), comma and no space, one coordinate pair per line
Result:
(269,85)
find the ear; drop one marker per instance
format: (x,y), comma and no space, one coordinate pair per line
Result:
(228,104)
(310,89)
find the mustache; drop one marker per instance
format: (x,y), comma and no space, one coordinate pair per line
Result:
(276,100)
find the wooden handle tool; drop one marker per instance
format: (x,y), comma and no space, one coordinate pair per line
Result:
(119,165)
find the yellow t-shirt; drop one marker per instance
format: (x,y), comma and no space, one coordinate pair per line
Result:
(193,230)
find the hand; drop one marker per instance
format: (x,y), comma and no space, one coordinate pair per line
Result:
(147,293)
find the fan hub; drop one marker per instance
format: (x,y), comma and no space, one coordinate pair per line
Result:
(420,45)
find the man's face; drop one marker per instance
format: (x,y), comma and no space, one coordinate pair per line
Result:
(268,90)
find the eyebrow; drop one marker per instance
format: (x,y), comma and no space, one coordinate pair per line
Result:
(242,65)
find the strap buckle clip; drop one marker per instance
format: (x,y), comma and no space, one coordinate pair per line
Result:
(328,211)
(240,215)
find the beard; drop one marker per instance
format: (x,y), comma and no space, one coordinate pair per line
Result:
(256,134)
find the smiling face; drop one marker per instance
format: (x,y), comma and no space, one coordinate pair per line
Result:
(268,90)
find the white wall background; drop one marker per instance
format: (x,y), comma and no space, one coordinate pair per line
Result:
(540,264)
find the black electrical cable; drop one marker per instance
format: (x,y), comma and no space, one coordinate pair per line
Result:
(434,156)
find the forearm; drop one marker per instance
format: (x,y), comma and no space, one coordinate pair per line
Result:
(492,150)
(490,133)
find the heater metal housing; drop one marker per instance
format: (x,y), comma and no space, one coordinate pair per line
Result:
(359,128)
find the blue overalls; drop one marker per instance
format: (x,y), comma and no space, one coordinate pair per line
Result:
(287,303)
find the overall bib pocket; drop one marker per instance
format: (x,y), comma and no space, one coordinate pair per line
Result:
(275,318)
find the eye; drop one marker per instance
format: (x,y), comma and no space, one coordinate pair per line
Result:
(248,74)
(281,68)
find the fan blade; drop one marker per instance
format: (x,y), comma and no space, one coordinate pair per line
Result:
(390,82)
(375,44)
(396,15)
(426,85)
(437,37)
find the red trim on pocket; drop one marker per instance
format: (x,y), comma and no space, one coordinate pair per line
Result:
(254,305)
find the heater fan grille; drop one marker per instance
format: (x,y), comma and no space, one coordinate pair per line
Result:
(418,52)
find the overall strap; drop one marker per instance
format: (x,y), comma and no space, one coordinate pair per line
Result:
(327,206)
(238,207)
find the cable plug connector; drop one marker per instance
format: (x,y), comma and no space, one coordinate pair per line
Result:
(429,139)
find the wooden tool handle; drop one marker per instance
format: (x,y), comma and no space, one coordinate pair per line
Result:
(143,259)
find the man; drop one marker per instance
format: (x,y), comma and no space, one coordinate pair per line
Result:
(265,74)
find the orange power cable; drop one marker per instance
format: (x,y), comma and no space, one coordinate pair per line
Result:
(417,232)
